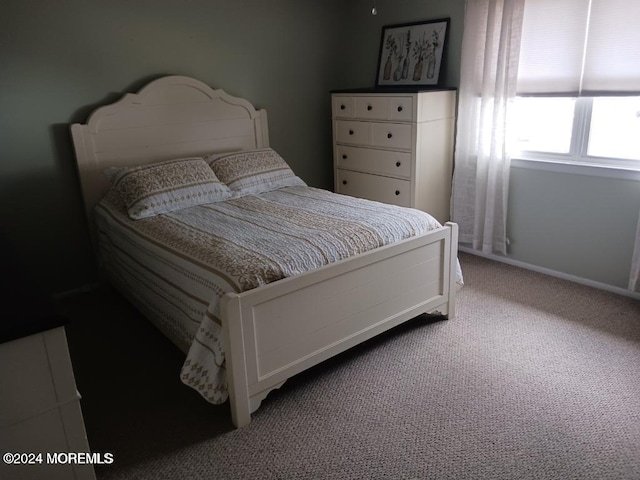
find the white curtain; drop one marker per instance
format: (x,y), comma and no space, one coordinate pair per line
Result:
(634,279)
(488,80)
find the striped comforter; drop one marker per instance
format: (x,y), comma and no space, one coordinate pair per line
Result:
(176,267)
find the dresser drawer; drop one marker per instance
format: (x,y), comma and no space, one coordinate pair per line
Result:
(384,108)
(343,106)
(375,134)
(385,162)
(374,107)
(391,135)
(374,187)
(358,133)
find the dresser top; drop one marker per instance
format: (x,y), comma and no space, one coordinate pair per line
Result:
(393,90)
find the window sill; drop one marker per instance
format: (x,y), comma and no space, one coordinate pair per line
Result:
(593,170)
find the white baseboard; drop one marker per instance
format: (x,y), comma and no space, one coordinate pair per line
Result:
(552,273)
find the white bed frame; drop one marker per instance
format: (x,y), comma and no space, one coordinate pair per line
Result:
(278,330)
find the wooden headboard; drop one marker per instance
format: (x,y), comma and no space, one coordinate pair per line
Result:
(171,117)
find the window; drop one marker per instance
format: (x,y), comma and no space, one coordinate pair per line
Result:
(544,124)
(615,128)
(579,82)
(596,130)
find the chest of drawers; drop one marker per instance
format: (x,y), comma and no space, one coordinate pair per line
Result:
(395,147)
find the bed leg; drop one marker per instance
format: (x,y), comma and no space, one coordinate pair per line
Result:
(236,366)
(240,416)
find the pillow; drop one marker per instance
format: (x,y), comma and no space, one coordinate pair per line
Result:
(167,186)
(253,171)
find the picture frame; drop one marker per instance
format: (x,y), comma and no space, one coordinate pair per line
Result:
(411,54)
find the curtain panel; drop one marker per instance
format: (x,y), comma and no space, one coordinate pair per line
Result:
(488,81)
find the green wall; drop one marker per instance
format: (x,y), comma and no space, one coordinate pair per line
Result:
(60,60)
(579,224)
(361,43)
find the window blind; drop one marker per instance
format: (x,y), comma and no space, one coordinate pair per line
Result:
(580,47)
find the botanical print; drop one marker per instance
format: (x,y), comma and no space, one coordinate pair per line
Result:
(412,54)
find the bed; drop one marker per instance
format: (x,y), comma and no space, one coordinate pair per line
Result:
(244,336)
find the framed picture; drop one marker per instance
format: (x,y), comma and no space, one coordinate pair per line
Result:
(411,54)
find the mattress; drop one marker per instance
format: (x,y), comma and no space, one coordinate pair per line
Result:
(176,267)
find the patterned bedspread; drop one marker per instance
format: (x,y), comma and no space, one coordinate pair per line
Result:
(176,267)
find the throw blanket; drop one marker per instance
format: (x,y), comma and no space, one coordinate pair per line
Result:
(176,267)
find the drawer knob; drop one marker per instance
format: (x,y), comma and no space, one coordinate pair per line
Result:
(350,132)
(344,156)
(398,164)
(397,192)
(344,182)
(369,107)
(400,108)
(389,135)
(342,107)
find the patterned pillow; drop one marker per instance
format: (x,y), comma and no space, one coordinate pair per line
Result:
(253,171)
(167,186)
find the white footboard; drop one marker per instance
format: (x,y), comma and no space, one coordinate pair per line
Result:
(276,331)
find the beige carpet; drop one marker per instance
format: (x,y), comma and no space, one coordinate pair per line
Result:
(536,378)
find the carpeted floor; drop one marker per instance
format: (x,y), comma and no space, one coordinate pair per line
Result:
(535,378)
